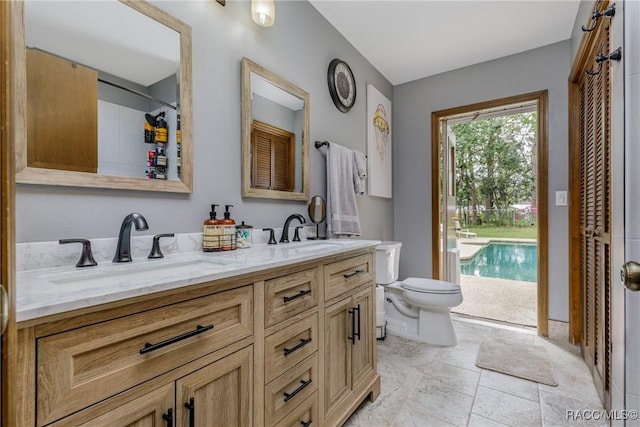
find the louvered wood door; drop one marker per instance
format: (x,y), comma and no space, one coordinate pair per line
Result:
(595,220)
(272,151)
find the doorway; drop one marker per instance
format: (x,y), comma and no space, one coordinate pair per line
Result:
(453,233)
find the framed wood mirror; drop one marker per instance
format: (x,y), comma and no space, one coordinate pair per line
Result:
(107,90)
(275,136)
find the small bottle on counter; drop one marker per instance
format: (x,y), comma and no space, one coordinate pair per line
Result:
(243,235)
(212,233)
(228,242)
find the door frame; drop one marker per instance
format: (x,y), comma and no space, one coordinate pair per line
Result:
(542,183)
(11,110)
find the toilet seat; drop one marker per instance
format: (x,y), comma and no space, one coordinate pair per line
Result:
(430,286)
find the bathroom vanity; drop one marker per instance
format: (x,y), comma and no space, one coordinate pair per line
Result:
(276,335)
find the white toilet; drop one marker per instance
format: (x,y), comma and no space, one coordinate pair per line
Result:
(416,308)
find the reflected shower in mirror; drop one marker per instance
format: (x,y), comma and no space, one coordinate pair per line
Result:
(275,124)
(108,94)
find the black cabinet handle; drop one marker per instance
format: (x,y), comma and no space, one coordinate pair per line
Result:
(305,423)
(151,347)
(298,295)
(289,396)
(357,334)
(191,406)
(348,276)
(168,417)
(353,326)
(302,343)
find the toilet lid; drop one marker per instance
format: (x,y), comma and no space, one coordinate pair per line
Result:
(430,286)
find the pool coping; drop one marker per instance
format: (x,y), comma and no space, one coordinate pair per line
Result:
(471,247)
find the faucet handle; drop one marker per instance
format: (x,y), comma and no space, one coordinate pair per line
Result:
(296,234)
(272,236)
(86,258)
(155,247)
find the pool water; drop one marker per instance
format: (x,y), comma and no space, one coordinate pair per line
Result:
(504,261)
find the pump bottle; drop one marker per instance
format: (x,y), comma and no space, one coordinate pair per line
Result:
(229,231)
(212,233)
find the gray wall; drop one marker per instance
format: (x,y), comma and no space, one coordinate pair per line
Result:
(299,48)
(583,17)
(543,68)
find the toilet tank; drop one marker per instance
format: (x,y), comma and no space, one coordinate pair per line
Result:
(387,262)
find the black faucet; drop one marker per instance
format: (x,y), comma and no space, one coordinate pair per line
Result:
(285,229)
(123,250)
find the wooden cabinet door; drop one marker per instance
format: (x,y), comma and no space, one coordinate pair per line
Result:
(363,350)
(152,409)
(595,219)
(337,358)
(219,394)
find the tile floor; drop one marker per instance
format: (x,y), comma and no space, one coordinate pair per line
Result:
(425,385)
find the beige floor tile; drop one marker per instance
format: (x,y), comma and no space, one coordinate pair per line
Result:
(478,421)
(559,410)
(397,382)
(444,375)
(365,417)
(463,355)
(429,386)
(526,337)
(506,408)
(428,401)
(510,384)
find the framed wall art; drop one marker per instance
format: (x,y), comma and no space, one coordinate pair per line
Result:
(378,143)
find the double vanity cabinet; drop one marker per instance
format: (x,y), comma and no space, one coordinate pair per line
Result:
(290,345)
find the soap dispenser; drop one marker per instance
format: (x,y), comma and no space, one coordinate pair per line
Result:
(229,231)
(212,233)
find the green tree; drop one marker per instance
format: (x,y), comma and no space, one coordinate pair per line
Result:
(495,165)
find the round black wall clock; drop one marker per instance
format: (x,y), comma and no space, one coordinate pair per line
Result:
(342,85)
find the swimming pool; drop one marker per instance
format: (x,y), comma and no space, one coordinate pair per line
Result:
(513,261)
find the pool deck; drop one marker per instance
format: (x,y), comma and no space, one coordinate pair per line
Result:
(510,301)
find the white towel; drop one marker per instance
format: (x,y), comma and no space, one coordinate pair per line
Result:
(359,171)
(342,211)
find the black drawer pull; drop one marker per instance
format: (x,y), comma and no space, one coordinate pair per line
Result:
(168,417)
(350,275)
(289,396)
(305,423)
(298,295)
(302,343)
(191,406)
(357,334)
(151,347)
(353,326)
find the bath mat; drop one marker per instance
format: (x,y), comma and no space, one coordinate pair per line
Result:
(527,361)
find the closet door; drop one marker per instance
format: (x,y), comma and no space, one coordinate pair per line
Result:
(595,218)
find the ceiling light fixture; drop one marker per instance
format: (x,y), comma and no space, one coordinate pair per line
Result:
(263,12)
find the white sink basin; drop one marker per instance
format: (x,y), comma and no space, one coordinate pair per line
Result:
(132,272)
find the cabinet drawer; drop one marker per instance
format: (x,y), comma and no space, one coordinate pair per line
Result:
(341,276)
(80,367)
(287,391)
(285,348)
(304,415)
(289,295)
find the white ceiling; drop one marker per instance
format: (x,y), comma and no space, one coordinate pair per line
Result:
(409,40)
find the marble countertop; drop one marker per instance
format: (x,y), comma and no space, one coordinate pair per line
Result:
(47,291)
